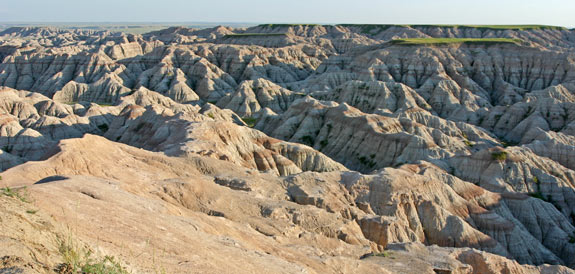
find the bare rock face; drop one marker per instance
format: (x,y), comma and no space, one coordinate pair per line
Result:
(290,149)
(251,97)
(181,136)
(433,259)
(373,141)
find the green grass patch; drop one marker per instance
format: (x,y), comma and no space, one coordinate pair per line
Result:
(446,41)
(20,194)
(499,155)
(248,35)
(494,27)
(250,121)
(377,28)
(371,28)
(275,26)
(385,254)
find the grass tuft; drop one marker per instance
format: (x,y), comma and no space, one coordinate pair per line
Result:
(20,194)
(385,254)
(78,259)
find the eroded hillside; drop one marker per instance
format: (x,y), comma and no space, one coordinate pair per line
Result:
(291,148)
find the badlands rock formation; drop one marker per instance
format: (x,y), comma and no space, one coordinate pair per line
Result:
(288,149)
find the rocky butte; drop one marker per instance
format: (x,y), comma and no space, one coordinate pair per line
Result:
(288,149)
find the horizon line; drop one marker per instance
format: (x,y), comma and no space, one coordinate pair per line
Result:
(266,23)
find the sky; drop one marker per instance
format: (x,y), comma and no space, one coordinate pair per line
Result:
(546,12)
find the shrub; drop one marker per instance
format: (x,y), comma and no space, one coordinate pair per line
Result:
(367,162)
(103,128)
(107,265)
(250,121)
(308,140)
(8,148)
(78,259)
(323,144)
(499,155)
(537,195)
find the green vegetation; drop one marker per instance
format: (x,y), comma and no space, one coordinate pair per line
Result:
(20,194)
(466,140)
(385,254)
(323,144)
(499,155)
(375,29)
(367,162)
(494,27)
(363,86)
(246,35)
(78,259)
(274,26)
(308,140)
(103,128)
(329,128)
(509,143)
(104,104)
(446,41)
(31,211)
(250,121)
(139,126)
(8,148)
(537,195)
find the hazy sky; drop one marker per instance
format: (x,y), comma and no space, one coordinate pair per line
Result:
(549,12)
